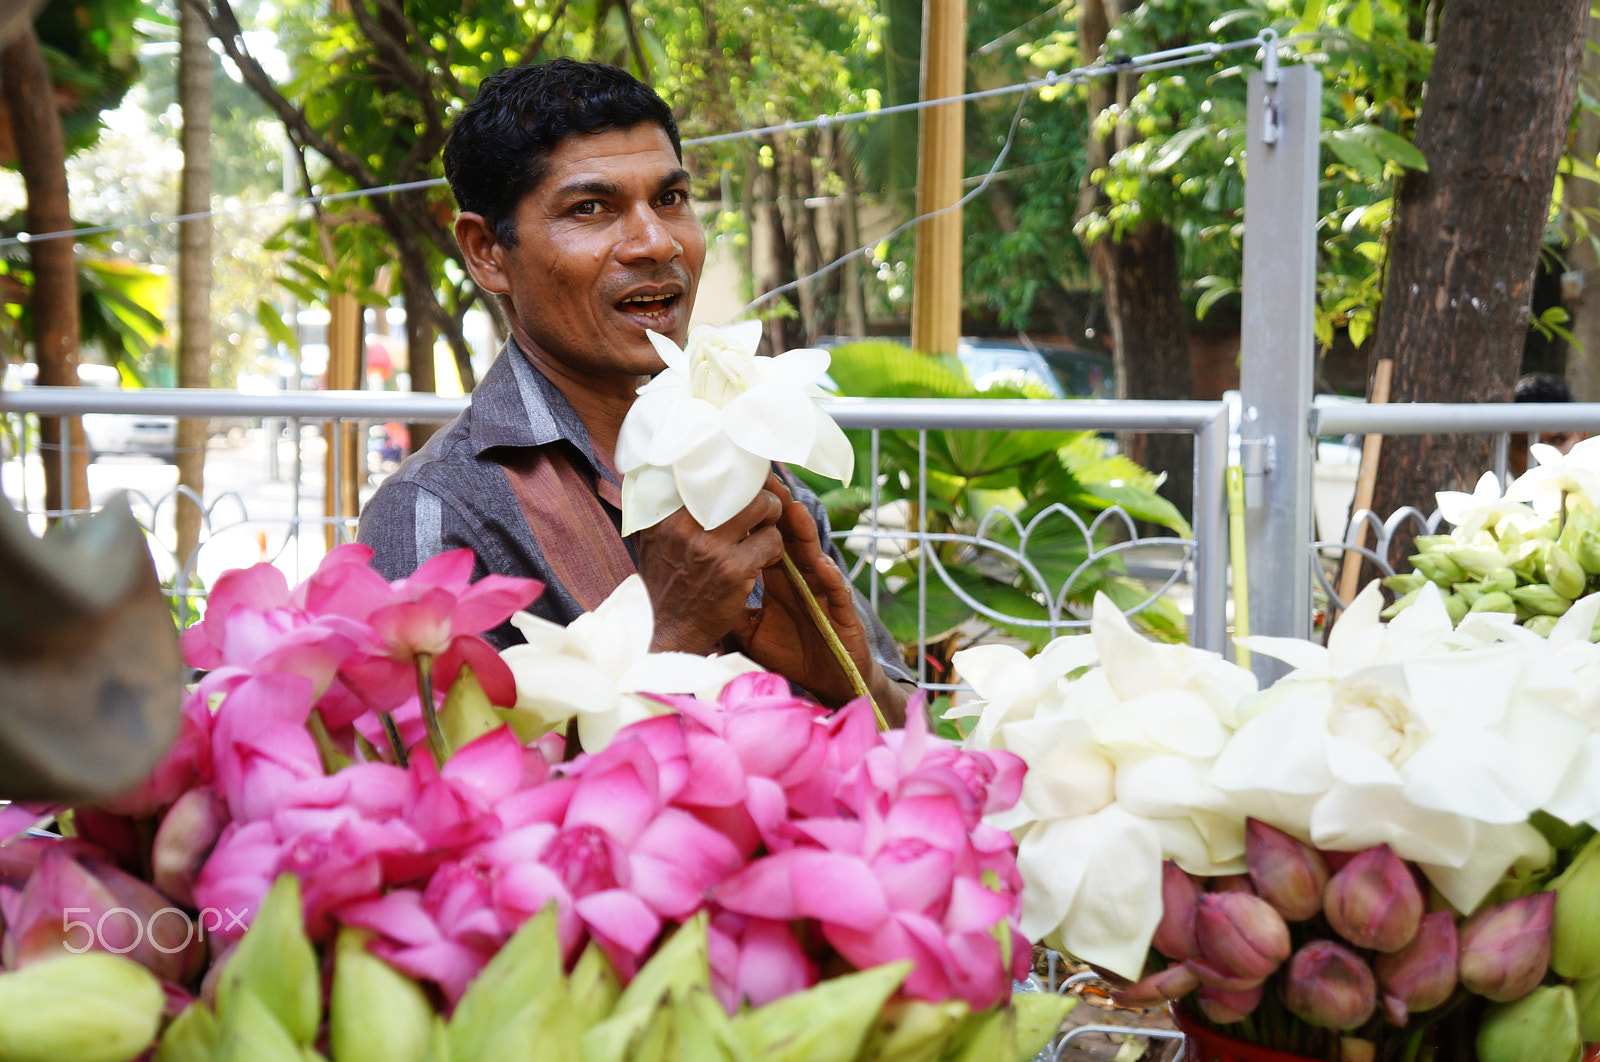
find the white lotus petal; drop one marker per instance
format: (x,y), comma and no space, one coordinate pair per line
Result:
(831,453)
(717,479)
(596,729)
(674,673)
(676,360)
(1177,720)
(1359,764)
(1425,616)
(1495,850)
(796,368)
(1296,652)
(1156,787)
(539,632)
(617,634)
(559,687)
(995,672)
(1545,742)
(743,335)
(1103,897)
(649,496)
(773,422)
(1350,818)
(1182,842)
(645,418)
(1282,750)
(1067,776)
(1468,772)
(1577,623)
(1465,689)
(688,423)
(1131,664)
(1576,797)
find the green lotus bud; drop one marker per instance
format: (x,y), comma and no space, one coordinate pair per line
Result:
(528,964)
(374,1011)
(1438,569)
(88,1007)
(1587,993)
(192,1036)
(275,962)
(1478,562)
(466,713)
(1495,602)
(1527,559)
(1504,581)
(1541,625)
(595,986)
(1400,606)
(1430,542)
(1541,598)
(252,1033)
(1564,574)
(1587,551)
(1456,606)
(1505,949)
(1405,582)
(1373,901)
(1540,1027)
(1469,593)
(1328,985)
(1509,537)
(1575,925)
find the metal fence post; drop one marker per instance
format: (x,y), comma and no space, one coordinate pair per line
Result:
(1276,354)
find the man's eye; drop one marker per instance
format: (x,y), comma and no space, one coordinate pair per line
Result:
(675,198)
(588,206)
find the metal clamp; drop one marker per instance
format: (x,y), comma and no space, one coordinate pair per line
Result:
(1255,458)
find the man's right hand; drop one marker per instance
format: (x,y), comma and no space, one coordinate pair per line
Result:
(699,580)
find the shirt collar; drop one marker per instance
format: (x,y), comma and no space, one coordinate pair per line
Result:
(514,405)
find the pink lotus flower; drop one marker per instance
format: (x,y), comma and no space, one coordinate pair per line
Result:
(756,960)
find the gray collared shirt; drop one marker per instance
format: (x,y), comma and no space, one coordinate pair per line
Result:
(453,493)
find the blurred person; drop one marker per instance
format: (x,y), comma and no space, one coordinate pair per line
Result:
(1539,387)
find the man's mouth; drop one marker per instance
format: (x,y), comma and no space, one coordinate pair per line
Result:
(649,307)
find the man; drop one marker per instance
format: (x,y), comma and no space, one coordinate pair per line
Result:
(576,216)
(1539,387)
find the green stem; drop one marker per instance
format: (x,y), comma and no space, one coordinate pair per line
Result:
(430,715)
(392,732)
(831,637)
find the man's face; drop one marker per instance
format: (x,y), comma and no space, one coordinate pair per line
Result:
(608,247)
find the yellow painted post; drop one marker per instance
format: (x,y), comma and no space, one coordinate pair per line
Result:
(936,282)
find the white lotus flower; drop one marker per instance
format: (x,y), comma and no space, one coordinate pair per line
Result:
(705,431)
(1483,508)
(1399,736)
(1117,764)
(1557,473)
(598,667)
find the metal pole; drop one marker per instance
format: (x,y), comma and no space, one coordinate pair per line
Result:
(1208,629)
(1276,353)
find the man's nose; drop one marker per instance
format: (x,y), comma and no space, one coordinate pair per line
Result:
(645,235)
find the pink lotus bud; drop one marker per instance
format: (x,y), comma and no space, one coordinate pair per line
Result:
(1374,901)
(1241,940)
(1421,975)
(1327,984)
(1505,949)
(1175,982)
(1231,883)
(1175,932)
(1223,1007)
(1287,873)
(186,836)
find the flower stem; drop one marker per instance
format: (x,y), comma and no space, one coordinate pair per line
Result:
(831,637)
(430,716)
(392,732)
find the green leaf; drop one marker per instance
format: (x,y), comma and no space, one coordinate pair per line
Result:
(1174,149)
(1361,20)
(272,321)
(1391,147)
(1354,151)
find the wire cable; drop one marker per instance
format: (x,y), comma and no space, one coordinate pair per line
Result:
(1161,60)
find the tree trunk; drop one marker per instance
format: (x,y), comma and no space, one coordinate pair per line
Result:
(194,268)
(414,290)
(41,155)
(778,268)
(1466,233)
(1583,200)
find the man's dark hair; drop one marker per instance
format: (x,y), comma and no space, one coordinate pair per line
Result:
(499,149)
(1542,387)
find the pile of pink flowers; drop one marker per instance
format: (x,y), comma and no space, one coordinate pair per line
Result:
(312,745)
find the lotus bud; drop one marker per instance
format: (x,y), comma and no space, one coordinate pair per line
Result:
(1327,984)
(185,837)
(89,1007)
(374,1011)
(1373,901)
(1355,1049)
(1542,1026)
(1439,569)
(1469,593)
(1527,558)
(1498,601)
(1564,574)
(1542,599)
(1505,949)
(1174,935)
(1575,925)
(1222,1007)
(1401,605)
(1456,606)
(1175,982)
(1242,940)
(1587,551)
(1287,873)
(1587,994)
(1478,562)
(1540,625)
(1230,883)
(1429,542)
(1504,581)
(1405,582)
(1421,975)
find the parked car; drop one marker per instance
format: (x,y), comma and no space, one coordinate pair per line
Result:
(113,433)
(1064,371)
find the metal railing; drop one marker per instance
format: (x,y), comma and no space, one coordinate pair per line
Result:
(880,534)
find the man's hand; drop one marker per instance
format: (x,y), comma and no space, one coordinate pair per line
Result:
(699,580)
(781,636)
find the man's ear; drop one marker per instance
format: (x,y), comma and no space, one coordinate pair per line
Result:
(484,254)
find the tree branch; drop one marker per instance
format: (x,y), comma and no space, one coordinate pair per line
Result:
(395,11)
(533,49)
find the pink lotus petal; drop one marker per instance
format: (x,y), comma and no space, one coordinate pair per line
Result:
(768,806)
(546,803)
(769,741)
(620,917)
(715,776)
(450,571)
(974,908)
(618,801)
(410,627)
(771,964)
(449,965)
(490,765)
(398,915)
(491,601)
(665,887)
(344,589)
(493,674)
(937,820)
(916,876)
(836,888)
